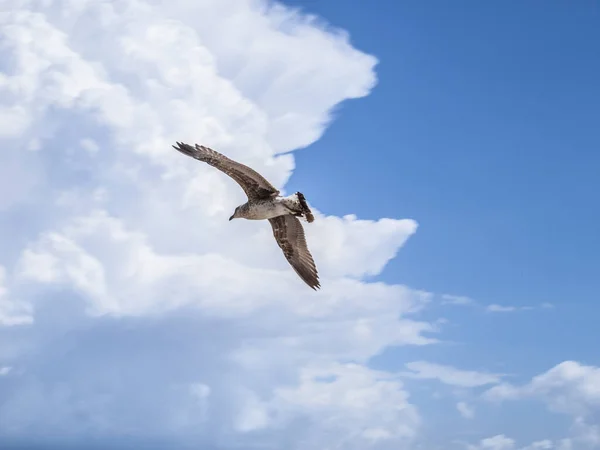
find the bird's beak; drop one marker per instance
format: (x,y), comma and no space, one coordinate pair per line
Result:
(230,218)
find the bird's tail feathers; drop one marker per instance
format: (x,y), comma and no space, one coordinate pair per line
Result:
(305,209)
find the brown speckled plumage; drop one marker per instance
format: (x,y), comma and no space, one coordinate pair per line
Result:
(264,202)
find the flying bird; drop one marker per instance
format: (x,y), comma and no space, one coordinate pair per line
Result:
(264,202)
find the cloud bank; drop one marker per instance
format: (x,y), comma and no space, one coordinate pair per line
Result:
(129,311)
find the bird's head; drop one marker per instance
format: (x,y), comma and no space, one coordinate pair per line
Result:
(236,214)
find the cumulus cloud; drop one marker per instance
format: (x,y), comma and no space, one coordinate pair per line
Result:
(569,388)
(128,307)
(371,400)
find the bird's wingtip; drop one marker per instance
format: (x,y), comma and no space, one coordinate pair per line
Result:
(183,148)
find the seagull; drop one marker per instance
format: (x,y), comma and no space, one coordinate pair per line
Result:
(264,202)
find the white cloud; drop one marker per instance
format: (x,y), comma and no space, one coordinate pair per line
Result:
(498,442)
(154,316)
(502,442)
(373,402)
(12,312)
(500,308)
(565,444)
(465,410)
(568,387)
(450,375)
(494,308)
(585,433)
(545,444)
(460,300)
(89,145)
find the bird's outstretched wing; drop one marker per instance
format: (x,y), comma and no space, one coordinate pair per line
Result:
(254,184)
(289,235)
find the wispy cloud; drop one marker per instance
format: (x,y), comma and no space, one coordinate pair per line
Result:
(462,300)
(501,308)
(495,308)
(448,299)
(465,410)
(450,375)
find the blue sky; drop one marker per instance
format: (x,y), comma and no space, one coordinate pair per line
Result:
(486,115)
(459,297)
(484,123)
